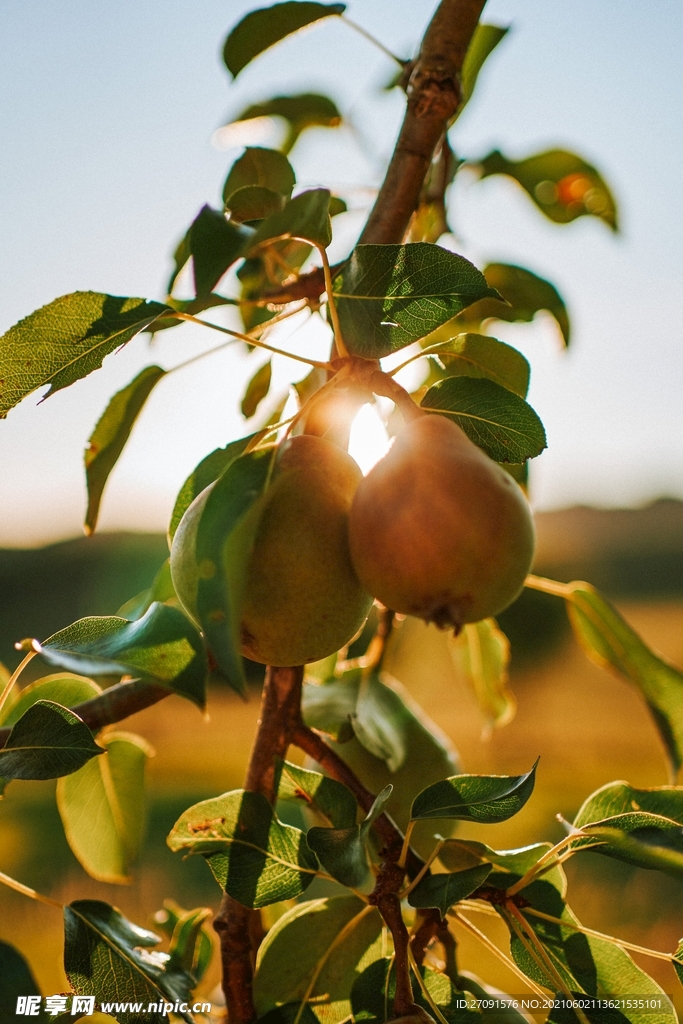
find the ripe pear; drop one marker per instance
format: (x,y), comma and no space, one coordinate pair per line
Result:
(302,599)
(438,530)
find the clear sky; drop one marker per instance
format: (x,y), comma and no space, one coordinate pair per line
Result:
(106,125)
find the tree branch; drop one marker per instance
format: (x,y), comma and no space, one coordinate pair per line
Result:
(236,925)
(112,705)
(389,907)
(433,97)
(314,745)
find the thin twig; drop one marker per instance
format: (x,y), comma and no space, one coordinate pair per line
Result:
(655,953)
(424,869)
(541,863)
(339,939)
(425,991)
(342,351)
(253,341)
(548,586)
(12,883)
(519,923)
(15,675)
(493,948)
(380,46)
(406,844)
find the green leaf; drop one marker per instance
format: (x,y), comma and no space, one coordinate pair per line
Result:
(611,643)
(224,541)
(253,203)
(526,294)
(343,852)
(16,979)
(208,470)
(257,389)
(66,340)
(322,794)
(267,168)
(645,840)
(619,798)
(62,688)
(562,185)
(391,295)
(305,217)
(301,111)
(376,722)
(162,647)
(495,419)
(373,994)
(481,655)
(46,742)
(102,807)
(481,798)
(190,942)
(442,891)
(107,956)
(639,826)
(430,754)
(586,964)
(337,206)
(214,244)
(476,355)
(459,854)
(262,28)
(484,42)
(190,946)
(315,952)
(330,708)
(109,437)
(254,857)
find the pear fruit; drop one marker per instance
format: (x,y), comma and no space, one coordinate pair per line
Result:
(438,530)
(302,599)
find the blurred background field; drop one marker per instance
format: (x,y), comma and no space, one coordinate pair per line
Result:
(588,728)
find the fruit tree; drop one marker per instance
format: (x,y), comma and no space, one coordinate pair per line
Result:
(283,553)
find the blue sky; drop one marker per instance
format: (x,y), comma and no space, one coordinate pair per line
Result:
(106,124)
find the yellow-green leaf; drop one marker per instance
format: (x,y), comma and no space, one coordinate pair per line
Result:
(109,437)
(66,340)
(611,643)
(257,389)
(481,654)
(102,807)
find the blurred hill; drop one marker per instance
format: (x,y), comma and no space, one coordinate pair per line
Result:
(44,589)
(627,553)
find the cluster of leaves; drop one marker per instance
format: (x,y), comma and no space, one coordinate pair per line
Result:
(328,957)
(331,957)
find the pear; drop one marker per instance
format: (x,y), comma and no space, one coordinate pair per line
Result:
(438,530)
(302,599)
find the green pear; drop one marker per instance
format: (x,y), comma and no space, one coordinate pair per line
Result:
(302,599)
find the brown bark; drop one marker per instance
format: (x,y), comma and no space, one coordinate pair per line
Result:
(112,705)
(389,907)
(237,925)
(433,98)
